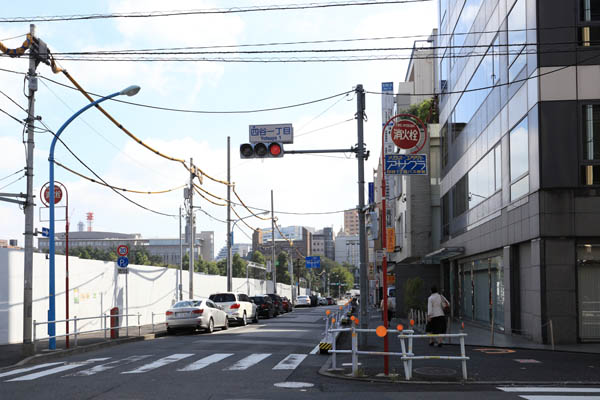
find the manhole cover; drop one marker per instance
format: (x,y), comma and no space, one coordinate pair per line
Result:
(294,385)
(435,371)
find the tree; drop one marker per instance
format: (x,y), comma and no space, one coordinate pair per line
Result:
(413,296)
(258,257)
(238,266)
(283,275)
(426,111)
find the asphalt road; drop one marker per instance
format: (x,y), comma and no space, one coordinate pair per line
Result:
(253,362)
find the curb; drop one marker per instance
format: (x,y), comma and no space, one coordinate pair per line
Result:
(324,371)
(84,349)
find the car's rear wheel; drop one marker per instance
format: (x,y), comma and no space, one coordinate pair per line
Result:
(244,319)
(211,326)
(226,326)
(255,320)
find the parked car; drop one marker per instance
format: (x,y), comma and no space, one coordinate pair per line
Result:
(196,314)
(322,301)
(330,301)
(264,306)
(238,307)
(314,300)
(287,304)
(277,302)
(302,301)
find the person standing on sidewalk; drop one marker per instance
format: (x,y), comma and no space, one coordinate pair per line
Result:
(435,314)
(391,309)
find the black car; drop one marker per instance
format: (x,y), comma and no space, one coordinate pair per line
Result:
(314,300)
(264,306)
(277,302)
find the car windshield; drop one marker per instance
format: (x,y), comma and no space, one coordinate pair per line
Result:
(222,297)
(182,304)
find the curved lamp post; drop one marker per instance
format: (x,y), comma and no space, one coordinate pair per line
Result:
(129,91)
(229,255)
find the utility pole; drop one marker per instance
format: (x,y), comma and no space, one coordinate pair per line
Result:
(191,226)
(229,266)
(180,274)
(364,297)
(273,246)
(29,205)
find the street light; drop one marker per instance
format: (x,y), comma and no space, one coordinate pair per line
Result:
(229,244)
(128,91)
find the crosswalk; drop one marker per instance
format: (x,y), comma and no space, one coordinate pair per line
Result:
(140,364)
(553,393)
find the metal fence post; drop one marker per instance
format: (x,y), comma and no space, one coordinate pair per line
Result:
(75,328)
(152,322)
(552,334)
(462,354)
(410,351)
(104,324)
(139,326)
(404,362)
(354,352)
(34,344)
(333,354)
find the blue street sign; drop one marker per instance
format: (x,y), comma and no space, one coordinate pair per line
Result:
(45,232)
(387,86)
(313,261)
(371,192)
(406,164)
(122,262)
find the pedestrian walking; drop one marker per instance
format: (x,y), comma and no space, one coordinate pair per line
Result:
(436,318)
(391,309)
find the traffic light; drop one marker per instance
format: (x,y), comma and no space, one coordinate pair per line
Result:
(261,150)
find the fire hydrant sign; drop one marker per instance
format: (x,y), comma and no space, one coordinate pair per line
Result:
(407,132)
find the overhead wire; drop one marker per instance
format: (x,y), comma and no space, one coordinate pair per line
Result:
(116,187)
(13,174)
(102,180)
(209,11)
(13,182)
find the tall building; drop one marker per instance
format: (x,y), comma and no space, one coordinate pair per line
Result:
(347,250)
(520,166)
(297,248)
(323,243)
(243,249)
(351,221)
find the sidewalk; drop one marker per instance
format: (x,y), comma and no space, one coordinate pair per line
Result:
(11,354)
(511,360)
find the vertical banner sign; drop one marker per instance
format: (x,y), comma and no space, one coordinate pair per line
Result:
(391,240)
(387,111)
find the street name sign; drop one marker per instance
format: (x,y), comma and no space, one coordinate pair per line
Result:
(282,133)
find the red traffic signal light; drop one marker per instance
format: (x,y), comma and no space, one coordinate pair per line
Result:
(261,150)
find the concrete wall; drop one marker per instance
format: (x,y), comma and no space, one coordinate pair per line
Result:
(95,287)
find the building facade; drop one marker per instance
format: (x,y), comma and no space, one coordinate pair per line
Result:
(323,243)
(298,249)
(351,221)
(347,250)
(520,164)
(243,249)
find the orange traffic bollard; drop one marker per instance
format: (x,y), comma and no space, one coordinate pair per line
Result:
(333,320)
(412,322)
(327,312)
(400,327)
(356,321)
(352,318)
(381,331)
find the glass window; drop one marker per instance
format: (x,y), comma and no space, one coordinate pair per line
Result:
(498,167)
(591,132)
(444,74)
(496,52)
(465,21)
(516,67)
(460,197)
(444,137)
(590,10)
(519,150)
(446,215)
(517,30)
(481,180)
(519,188)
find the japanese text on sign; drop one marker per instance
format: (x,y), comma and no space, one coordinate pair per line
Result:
(283,133)
(406,164)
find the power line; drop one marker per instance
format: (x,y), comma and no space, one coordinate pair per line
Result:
(209,11)
(13,101)
(11,116)
(15,181)
(103,181)
(14,173)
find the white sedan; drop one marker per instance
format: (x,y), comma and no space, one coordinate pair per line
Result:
(302,301)
(196,314)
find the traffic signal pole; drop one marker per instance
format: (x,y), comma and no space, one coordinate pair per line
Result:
(229,261)
(191,226)
(273,266)
(362,232)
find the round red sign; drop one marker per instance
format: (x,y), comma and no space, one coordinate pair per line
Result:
(57,194)
(122,250)
(406,134)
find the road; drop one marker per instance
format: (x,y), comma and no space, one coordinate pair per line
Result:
(252,362)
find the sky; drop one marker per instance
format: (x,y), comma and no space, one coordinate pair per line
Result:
(303,184)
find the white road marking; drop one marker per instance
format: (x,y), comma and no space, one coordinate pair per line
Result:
(290,362)
(107,366)
(538,389)
(315,350)
(21,370)
(559,397)
(57,370)
(293,385)
(247,362)
(205,362)
(158,363)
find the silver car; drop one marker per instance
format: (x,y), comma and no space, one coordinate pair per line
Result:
(196,314)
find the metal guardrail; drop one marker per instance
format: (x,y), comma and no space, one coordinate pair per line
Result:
(77,332)
(334,320)
(408,356)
